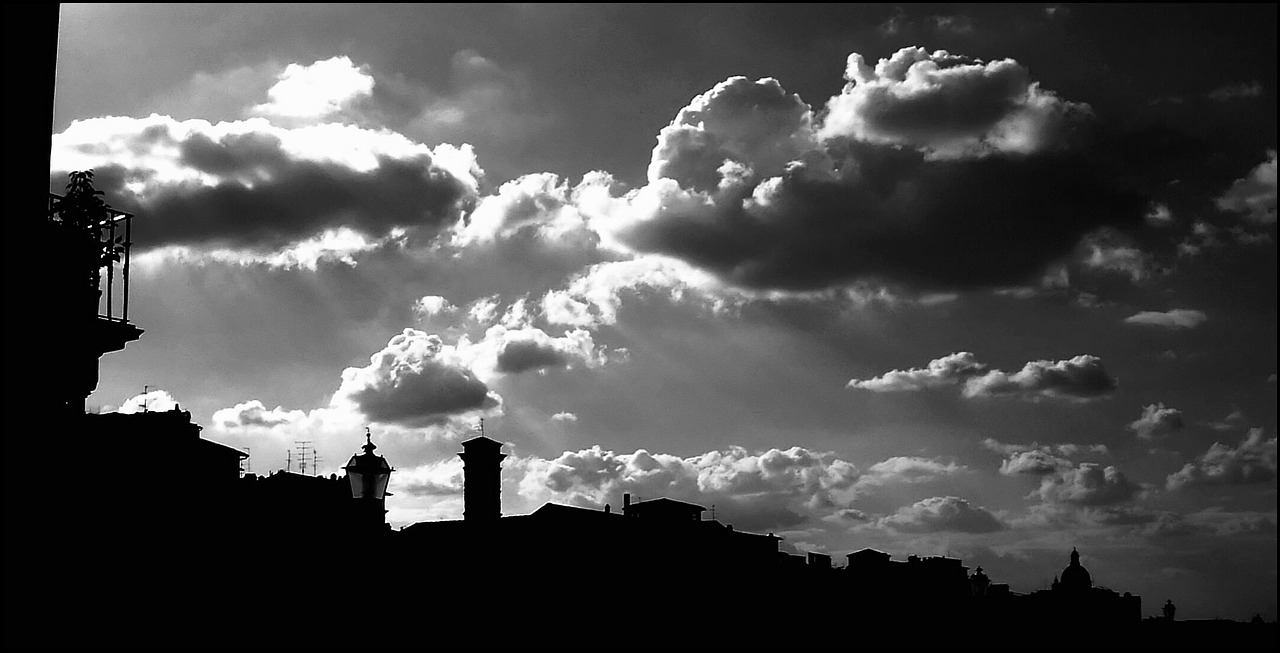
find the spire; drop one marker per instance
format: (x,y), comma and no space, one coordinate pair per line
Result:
(1075,557)
(368,446)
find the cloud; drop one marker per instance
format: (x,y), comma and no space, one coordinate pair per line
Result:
(153,400)
(1253,461)
(1033,462)
(745,182)
(252,185)
(316,92)
(416,380)
(948,370)
(764,490)
(1107,250)
(1232,91)
(937,514)
(1087,484)
(593,297)
(1254,195)
(432,305)
(253,413)
(948,106)
(1235,419)
(522,350)
(1081,378)
(908,469)
(1157,421)
(1178,318)
(443,478)
(564,417)
(1160,215)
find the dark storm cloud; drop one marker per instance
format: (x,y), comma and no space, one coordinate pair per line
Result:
(937,514)
(974,179)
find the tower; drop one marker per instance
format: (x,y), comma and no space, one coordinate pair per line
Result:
(482,479)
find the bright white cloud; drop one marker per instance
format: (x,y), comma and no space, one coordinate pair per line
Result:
(763,490)
(1157,421)
(316,92)
(253,414)
(948,106)
(153,400)
(1082,378)
(432,305)
(945,371)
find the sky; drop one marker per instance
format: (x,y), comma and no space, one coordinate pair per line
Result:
(985,281)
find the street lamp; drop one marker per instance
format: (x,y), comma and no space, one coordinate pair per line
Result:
(368,474)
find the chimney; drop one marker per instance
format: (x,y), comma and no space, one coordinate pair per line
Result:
(608,509)
(626,503)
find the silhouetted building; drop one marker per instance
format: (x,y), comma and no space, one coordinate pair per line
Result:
(482,464)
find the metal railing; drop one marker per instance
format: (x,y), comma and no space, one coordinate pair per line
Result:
(114,232)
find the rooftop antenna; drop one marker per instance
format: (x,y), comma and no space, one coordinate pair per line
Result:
(713,512)
(144,397)
(481,427)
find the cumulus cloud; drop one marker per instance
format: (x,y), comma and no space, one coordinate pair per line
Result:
(1034,462)
(764,490)
(1081,378)
(1178,318)
(908,469)
(1157,421)
(316,92)
(154,400)
(747,184)
(1108,251)
(1034,459)
(1254,195)
(948,370)
(593,297)
(256,186)
(942,514)
(417,379)
(1253,461)
(529,348)
(253,414)
(948,106)
(564,416)
(431,305)
(1087,484)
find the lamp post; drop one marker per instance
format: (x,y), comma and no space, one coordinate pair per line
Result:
(368,474)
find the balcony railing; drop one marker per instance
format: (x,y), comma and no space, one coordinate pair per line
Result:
(113,232)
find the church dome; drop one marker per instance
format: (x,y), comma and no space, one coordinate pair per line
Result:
(1075,576)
